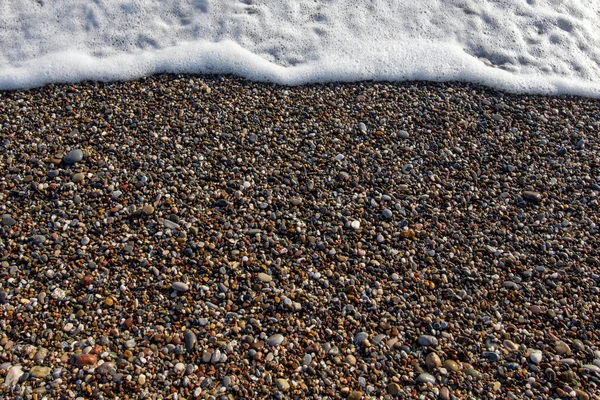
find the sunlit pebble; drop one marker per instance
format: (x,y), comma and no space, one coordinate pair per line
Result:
(355,224)
(380,238)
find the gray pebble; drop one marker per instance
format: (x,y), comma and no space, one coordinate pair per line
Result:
(73,156)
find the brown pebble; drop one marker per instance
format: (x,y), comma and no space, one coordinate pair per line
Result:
(355,395)
(85,359)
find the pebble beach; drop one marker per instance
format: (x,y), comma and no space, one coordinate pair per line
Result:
(183,237)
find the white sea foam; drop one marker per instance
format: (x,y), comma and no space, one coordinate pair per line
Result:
(532,46)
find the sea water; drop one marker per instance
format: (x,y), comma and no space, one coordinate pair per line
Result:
(527,46)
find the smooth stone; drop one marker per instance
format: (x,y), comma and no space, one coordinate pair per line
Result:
(562,348)
(105,368)
(531,196)
(282,384)
(362,127)
(491,356)
(355,395)
(40,355)
(73,156)
(444,393)
(403,134)
(360,338)
(427,340)
(535,356)
(39,239)
(355,224)
(141,379)
(296,200)
(148,209)
(40,372)
(181,286)
(592,368)
(451,365)
(130,344)
(393,389)
(170,224)
(8,220)
(433,361)
(510,345)
(473,373)
(189,338)
(85,359)
(578,345)
(78,177)
(265,277)
(13,375)
(387,213)
(275,340)
(426,378)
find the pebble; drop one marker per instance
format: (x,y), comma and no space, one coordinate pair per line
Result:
(355,224)
(427,340)
(282,384)
(535,356)
(426,378)
(393,389)
(180,286)
(355,395)
(13,375)
(562,348)
(74,156)
(190,340)
(444,393)
(8,220)
(533,197)
(275,340)
(78,177)
(433,361)
(265,277)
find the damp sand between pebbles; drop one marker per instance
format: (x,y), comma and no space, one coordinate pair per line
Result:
(184,237)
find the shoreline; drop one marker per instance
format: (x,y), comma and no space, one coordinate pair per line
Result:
(219,237)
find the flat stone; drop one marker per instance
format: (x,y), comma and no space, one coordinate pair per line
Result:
(180,286)
(403,135)
(451,365)
(355,395)
(427,340)
(533,197)
(40,372)
(535,356)
(78,177)
(13,375)
(355,224)
(8,220)
(105,368)
(148,209)
(74,156)
(360,338)
(282,384)
(40,355)
(562,349)
(170,224)
(81,360)
(265,277)
(275,340)
(39,239)
(426,378)
(444,393)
